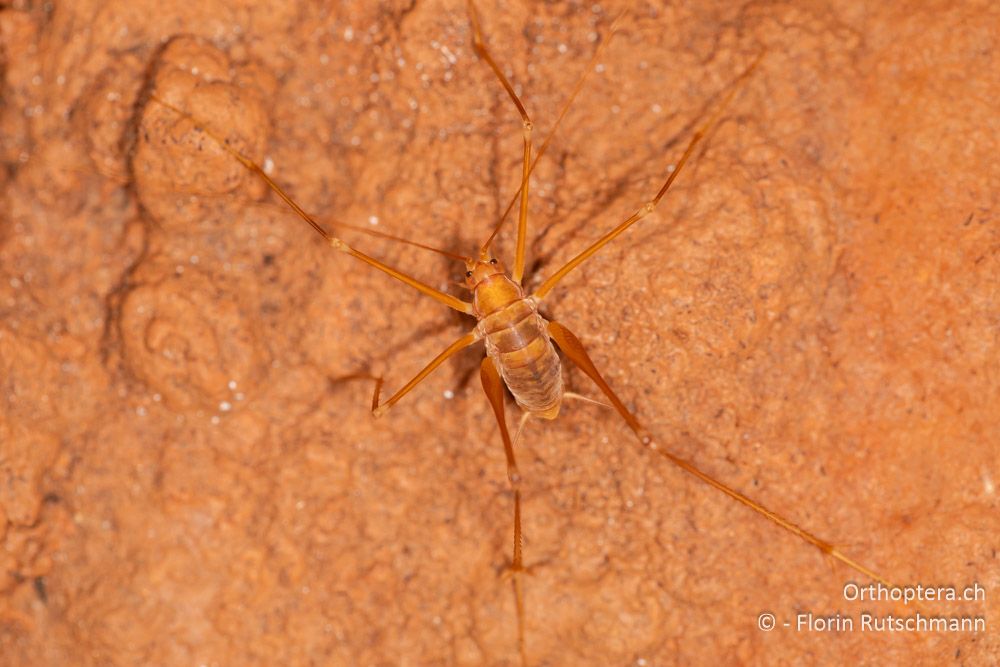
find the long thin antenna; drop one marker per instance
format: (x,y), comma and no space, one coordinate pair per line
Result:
(390,237)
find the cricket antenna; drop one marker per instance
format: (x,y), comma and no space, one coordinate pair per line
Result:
(382,235)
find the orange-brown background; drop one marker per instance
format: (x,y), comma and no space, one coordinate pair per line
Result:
(183,480)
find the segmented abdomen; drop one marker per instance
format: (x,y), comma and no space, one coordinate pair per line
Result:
(517,341)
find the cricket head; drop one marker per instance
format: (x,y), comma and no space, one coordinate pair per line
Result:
(482,270)
(491,287)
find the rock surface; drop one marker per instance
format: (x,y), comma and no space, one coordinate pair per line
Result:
(188,475)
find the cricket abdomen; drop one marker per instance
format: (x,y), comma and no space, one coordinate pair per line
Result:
(517,341)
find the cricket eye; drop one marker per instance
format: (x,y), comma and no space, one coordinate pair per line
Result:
(468,274)
(493,261)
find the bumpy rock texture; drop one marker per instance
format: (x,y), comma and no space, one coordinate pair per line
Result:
(189,477)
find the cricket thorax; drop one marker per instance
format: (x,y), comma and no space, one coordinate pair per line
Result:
(493,293)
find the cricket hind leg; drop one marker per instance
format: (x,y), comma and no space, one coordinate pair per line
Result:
(494,388)
(574,350)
